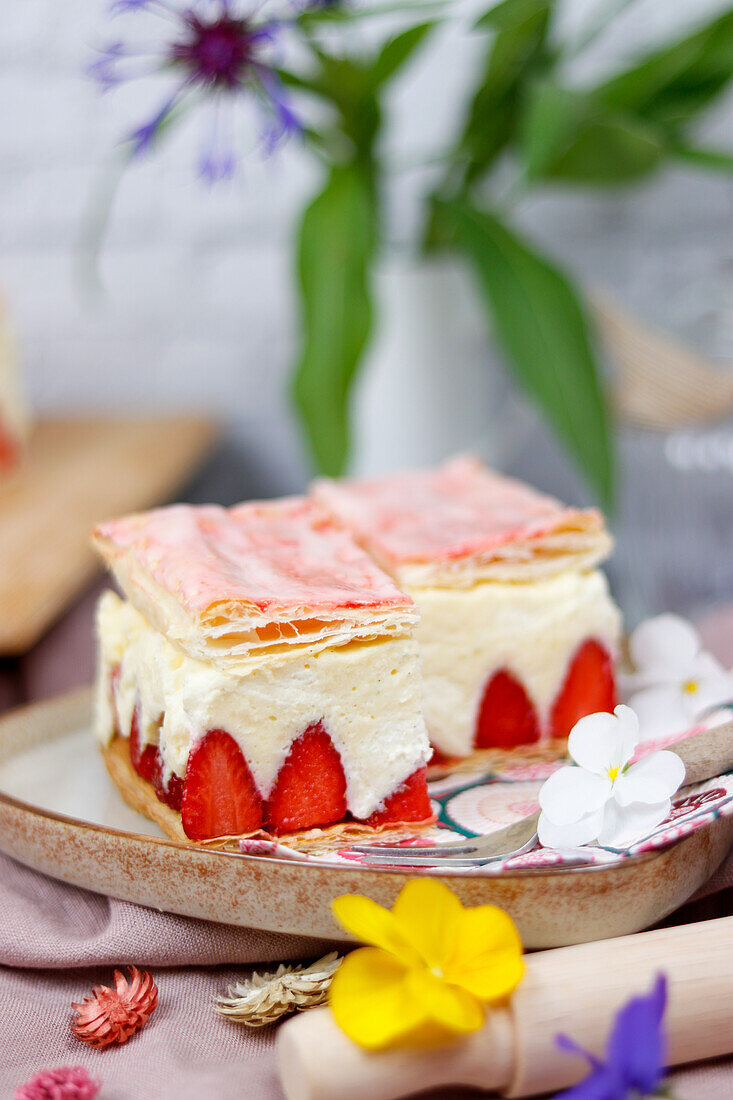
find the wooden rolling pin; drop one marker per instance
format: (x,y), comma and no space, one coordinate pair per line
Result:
(575,990)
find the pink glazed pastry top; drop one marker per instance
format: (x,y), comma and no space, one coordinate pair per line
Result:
(261,580)
(275,556)
(459,512)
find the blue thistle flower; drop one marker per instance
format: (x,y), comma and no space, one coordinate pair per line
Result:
(635,1054)
(209,50)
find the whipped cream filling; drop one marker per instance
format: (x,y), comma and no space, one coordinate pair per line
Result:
(529,629)
(368,696)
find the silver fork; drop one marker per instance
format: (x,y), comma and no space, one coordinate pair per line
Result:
(705,756)
(513,840)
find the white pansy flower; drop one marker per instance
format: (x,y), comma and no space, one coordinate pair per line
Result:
(604,798)
(675,680)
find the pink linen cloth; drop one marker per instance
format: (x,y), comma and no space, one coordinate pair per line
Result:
(57,941)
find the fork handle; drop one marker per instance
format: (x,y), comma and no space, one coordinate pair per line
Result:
(575,990)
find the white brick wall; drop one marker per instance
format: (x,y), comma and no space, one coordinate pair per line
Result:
(198,308)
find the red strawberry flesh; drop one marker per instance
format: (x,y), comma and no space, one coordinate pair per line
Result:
(311,787)
(144,758)
(589,687)
(220,797)
(506,718)
(172,793)
(9,450)
(409,803)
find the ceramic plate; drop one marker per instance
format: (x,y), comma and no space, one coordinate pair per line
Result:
(61,814)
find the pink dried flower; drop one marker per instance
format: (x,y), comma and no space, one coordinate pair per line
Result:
(113,1015)
(64,1083)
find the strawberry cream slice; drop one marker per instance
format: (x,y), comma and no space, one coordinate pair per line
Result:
(262,670)
(518,632)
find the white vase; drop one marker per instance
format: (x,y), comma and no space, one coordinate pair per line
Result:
(432,383)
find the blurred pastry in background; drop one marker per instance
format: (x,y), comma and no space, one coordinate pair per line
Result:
(14,418)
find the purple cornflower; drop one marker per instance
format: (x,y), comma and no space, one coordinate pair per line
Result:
(635,1054)
(210,51)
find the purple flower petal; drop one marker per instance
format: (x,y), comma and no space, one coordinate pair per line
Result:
(284,123)
(217,51)
(143,137)
(604,1083)
(564,1042)
(119,6)
(217,161)
(217,165)
(637,1044)
(103,70)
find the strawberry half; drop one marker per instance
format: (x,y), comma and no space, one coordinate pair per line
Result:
(311,786)
(410,802)
(506,717)
(9,450)
(589,687)
(439,759)
(144,758)
(219,794)
(172,795)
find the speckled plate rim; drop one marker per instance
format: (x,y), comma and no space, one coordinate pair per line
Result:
(552,906)
(79,703)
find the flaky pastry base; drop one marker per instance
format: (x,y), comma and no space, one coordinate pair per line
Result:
(140,796)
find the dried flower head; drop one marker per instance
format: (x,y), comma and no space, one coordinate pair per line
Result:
(64,1083)
(112,1015)
(264,998)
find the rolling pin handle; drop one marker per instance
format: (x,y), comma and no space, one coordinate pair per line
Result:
(318,1062)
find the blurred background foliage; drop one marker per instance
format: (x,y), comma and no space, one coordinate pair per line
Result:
(524,128)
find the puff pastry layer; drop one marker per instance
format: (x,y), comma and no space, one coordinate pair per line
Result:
(461,523)
(256,583)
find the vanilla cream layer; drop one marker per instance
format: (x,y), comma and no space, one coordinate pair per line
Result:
(531,630)
(367,695)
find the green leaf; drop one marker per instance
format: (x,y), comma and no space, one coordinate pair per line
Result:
(397,51)
(550,119)
(720,159)
(335,249)
(671,84)
(609,151)
(566,135)
(510,13)
(516,55)
(543,329)
(348,85)
(348,13)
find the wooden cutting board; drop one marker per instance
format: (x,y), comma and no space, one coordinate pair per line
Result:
(77,472)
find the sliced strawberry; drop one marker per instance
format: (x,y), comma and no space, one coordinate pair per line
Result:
(439,759)
(311,786)
(589,687)
(410,802)
(219,794)
(144,758)
(506,717)
(9,450)
(172,795)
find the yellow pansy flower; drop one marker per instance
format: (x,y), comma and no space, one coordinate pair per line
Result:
(432,966)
